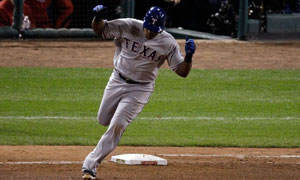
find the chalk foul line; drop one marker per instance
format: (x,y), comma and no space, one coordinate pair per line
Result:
(239,156)
(41,162)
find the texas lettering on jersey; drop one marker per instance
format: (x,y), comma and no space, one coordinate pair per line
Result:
(139,48)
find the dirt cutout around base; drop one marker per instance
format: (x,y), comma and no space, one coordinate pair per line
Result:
(64,162)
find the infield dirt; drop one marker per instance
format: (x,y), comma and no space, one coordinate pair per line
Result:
(64,162)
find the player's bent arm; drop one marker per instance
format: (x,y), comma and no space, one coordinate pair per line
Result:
(98,26)
(184,68)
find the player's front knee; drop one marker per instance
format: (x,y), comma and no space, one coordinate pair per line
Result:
(103,121)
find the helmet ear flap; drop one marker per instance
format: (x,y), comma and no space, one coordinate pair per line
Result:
(155,19)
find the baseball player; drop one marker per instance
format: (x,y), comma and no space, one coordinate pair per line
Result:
(141,48)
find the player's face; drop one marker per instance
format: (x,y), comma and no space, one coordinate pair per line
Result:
(149,34)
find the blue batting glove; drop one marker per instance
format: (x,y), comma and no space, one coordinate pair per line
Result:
(99,11)
(190,47)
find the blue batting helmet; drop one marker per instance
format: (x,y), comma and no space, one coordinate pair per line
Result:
(155,19)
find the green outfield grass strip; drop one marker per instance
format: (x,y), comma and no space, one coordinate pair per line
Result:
(224,108)
(152,118)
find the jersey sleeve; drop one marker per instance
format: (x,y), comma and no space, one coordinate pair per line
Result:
(113,28)
(174,57)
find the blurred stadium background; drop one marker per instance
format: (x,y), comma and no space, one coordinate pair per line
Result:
(242,19)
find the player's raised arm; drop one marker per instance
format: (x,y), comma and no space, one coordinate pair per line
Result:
(98,23)
(184,68)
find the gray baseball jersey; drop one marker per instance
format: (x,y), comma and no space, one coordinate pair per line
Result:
(138,59)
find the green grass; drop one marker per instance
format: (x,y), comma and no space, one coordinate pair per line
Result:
(244,108)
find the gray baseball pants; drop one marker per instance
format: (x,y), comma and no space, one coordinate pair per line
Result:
(121,103)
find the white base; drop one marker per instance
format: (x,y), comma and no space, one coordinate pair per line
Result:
(139,159)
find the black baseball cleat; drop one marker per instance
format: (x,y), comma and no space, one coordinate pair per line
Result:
(87,175)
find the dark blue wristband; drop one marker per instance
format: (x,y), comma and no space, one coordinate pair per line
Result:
(188,58)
